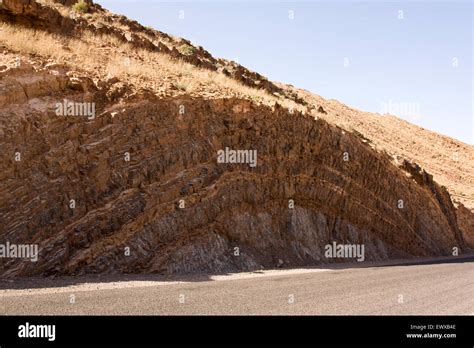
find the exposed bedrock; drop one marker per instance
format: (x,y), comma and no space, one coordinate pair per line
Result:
(176,209)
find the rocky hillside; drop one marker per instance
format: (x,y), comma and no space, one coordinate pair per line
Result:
(111,135)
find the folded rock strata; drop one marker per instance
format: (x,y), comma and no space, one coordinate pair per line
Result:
(177,210)
(138,188)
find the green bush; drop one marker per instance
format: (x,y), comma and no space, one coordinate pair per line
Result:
(187,50)
(81,6)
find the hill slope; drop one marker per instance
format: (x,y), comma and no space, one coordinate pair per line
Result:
(137,185)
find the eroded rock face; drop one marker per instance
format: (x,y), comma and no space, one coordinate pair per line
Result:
(137,186)
(465,218)
(31,13)
(21,84)
(176,209)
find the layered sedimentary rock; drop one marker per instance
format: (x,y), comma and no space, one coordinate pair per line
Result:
(150,196)
(137,186)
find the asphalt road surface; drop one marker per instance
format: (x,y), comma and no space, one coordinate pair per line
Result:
(435,287)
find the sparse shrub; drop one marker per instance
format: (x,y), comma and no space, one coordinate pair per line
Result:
(81,6)
(187,50)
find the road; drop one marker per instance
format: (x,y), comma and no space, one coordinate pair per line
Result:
(438,288)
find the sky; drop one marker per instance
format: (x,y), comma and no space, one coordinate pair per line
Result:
(413,59)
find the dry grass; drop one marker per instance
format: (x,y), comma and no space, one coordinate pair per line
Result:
(47,45)
(29,41)
(65,11)
(143,68)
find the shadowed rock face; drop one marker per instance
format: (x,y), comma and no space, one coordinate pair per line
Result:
(178,210)
(466,224)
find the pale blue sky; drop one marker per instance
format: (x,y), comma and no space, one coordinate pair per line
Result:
(408,62)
